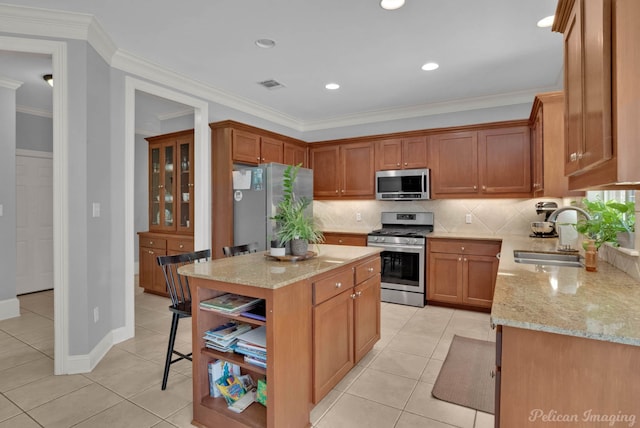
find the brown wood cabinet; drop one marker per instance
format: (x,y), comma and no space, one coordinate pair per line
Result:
(564,375)
(171,180)
(491,162)
(253,149)
(462,272)
(342,170)
(401,153)
(547,140)
(152,245)
(344,238)
(602,61)
(346,322)
(295,154)
(248,140)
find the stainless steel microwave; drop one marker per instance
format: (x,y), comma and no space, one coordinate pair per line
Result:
(403,185)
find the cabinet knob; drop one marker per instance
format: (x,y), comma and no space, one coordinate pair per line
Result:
(370,269)
(353,296)
(398,164)
(465,259)
(580,155)
(161,186)
(338,284)
(150,242)
(492,373)
(573,157)
(405,164)
(151,252)
(181,246)
(498,256)
(459,259)
(461,248)
(484,187)
(336,190)
(342,190)
(258,158)
(262,159)
(339,241)
(475,187)
(358,293)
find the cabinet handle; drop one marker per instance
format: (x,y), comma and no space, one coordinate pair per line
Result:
(462,248)
(405,164)
(190,184)
(398,164)
(353,296)
(459,259)
(181,246)
(492,373)
(338,284)
(336,190)
(342,190)
(151,252)
(573,157)
(465,259)
(484,187)
(150,242)
(339,241)
(161,186)
(498,256)
(358,293)
(258,158)
(475,187)
(580,154)
(370,269)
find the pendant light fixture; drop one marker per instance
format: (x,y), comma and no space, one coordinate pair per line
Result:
(391,4)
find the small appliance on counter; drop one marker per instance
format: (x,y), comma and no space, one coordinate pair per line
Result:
(545,228)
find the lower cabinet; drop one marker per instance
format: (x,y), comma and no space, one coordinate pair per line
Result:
(151,246)
(346,322)
(344,238)
(462,272)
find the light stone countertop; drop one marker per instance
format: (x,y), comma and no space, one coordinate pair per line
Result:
(602,305)
(257,270)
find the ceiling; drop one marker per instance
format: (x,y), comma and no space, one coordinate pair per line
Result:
(489,51)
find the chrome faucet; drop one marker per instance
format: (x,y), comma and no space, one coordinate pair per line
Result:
(554,215)
(552,218)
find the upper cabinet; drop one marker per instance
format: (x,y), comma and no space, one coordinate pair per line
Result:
(489,162)
(547,141)
(253,149)
(602,62)
(295,153)
(401,153)
(171,182)
(342,170)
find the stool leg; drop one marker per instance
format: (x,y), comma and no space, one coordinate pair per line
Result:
(172,340)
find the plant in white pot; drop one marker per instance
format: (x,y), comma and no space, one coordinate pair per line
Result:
(293,225)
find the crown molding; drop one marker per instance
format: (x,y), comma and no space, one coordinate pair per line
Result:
(175,115)
(57,24)
(8,83)
(34,111)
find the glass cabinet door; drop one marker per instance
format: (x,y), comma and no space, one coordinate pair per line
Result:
(154,187)
(185,185)
(167,215)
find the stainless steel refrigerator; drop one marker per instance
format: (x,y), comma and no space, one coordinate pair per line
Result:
(257,192)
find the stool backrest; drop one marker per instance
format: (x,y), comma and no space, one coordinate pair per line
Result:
(240,249)
(178,285)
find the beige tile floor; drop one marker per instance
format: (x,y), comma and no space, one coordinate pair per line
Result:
(389,388)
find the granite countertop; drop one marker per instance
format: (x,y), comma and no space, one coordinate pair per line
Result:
(602,305)
(257,270)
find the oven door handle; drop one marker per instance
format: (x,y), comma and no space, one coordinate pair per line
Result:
(400,249)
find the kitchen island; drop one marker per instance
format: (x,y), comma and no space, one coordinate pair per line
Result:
(339,289)
(568,343)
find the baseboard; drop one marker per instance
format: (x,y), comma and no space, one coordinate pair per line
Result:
(9,308)
(86,363)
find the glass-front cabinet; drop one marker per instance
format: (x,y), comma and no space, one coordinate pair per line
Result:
(171,182)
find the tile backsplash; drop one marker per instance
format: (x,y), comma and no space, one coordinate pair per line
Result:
(488,216)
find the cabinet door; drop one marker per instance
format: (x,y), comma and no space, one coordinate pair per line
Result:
(324,162)
(366,314)
(505,161)
(414,152)
(332,343)
(479,280)
(445,278)
(245,147)
(162,186)
(537,146)
(271,150)
(151,277)
(454,159)
(573,89)
(185,177)
(295,155)
(388,154)
(357,165)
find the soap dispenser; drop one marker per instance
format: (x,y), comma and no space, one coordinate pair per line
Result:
(591,256)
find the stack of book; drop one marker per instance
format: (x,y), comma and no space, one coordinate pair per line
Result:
(230,303)
(253,345)
(224,337)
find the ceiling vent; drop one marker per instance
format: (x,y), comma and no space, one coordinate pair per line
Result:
(271,84)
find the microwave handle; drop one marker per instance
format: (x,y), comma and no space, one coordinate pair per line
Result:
(424,182)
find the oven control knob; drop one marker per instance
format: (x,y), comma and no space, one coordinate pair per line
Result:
(382,239)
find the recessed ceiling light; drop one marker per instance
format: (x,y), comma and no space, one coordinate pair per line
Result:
(430,66)
(546,22)
(332,86)
(265,43)
(49,79)
(391,4)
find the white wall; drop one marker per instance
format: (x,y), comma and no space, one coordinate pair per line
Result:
(8,255)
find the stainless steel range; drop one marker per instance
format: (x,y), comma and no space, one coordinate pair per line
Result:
(403,238)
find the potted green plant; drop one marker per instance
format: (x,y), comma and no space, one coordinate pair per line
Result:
(292,224)
(608,219)
(626,238)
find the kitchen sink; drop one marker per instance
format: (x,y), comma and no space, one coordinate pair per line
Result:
(552,259)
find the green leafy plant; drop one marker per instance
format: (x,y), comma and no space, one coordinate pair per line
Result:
(607,220)
(292,222)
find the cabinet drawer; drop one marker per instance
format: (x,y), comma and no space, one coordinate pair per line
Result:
(345,239)
(454,246)
(181,245)
(332,286)
(153,243)
(367,270)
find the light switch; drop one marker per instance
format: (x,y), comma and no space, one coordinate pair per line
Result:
(96,209)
